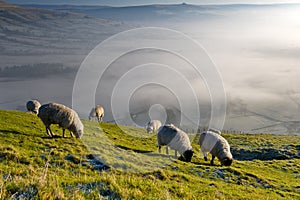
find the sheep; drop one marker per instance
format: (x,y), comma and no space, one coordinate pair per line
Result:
(153,126)
(33,106)
(218,146)
(176,139)
(98,112)
(66,118)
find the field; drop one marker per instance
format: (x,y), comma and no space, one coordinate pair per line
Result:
(112,162)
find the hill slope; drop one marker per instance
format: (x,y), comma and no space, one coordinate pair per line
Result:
(32,165)
(34,31)
(164,12)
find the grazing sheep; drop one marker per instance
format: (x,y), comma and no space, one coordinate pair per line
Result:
(98,112)
(33,106)
(218,146)
(176,139)
(66,118)
(153,126)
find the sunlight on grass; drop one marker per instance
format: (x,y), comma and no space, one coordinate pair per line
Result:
(122,156)
(110,164)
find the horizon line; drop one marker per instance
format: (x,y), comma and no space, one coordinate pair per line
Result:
(162,4)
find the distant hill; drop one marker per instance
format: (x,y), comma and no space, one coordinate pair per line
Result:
(35,31)
(135,13)
(157,12)
(7,5)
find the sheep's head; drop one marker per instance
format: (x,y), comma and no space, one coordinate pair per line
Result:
(149,129)
(78,128)
(226,161)
(187,156)
(79,133)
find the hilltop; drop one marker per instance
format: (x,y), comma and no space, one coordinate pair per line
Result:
(32,165)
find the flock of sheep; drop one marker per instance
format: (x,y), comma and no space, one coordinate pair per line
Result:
(168,135)
(210,141)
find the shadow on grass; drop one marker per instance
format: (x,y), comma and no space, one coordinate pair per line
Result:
(52,137)
(16,132)
(288,152)
(10,131)
(204,164)
(56,136)
(135,150)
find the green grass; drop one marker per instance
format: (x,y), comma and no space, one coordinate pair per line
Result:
(34,166)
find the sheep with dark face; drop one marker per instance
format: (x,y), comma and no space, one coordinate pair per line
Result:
(218,146)
(98,112)
(177,140)
(153,126)
(66,118)
(33,106)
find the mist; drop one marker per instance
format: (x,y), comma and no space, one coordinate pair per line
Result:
(255,49)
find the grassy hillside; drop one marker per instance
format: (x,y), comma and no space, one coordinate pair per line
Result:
(112,162)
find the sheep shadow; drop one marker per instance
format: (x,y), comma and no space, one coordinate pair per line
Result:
(9,131)
(266,153)
(134,150)
(3,131)
(152,154)
(205,164)
(148,153)
(55,137)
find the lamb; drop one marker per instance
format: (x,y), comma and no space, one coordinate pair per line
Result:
(33,106)
(176,139)
(218,146)
(98,112)
(153,126)
(66,118)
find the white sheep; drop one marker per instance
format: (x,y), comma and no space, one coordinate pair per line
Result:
(98,112)
(218,146)
(153,126)
(33,106)
(177,140)
(66,118)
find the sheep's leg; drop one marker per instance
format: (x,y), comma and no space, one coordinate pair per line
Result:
(175,154)
(71,133)
(63,132)
(49,132)
(205,156)
(159,148)
(167,150)
(212,160)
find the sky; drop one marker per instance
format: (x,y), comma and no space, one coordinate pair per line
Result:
(143,2)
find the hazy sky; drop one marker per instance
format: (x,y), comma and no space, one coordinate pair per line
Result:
(142,2)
